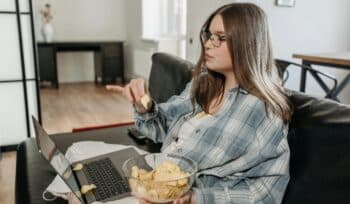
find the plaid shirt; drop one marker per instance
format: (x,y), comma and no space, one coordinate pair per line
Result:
(242,153)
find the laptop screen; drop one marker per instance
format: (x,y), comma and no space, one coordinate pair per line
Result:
(56,159)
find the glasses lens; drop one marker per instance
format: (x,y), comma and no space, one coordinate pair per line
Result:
(215,40)
(205,36)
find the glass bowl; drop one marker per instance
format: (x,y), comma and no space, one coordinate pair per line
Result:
(160,178)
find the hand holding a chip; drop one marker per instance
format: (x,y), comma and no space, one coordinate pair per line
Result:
(136,92)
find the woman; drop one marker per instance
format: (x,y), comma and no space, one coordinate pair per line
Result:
(232,118)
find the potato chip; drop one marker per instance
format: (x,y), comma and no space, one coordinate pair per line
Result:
(135,172)
(182,182)
(67,174)
(78,167)
(146,101)
(166,181)
(146,175)
(86,188)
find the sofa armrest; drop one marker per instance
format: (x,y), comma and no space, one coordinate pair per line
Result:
(319,164)
(33,174)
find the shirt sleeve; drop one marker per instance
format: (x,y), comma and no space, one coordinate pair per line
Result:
(263,174)
(155,124)
(239,195)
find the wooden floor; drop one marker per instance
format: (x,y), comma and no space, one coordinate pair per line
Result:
(81,105)
(70,106)
(7,177)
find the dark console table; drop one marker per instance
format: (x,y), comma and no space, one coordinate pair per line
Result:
(108,59)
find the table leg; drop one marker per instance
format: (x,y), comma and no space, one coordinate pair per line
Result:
(324,86)
(303,77)
(341,86)
(55,68)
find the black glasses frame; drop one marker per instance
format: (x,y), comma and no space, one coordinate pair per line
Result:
(214,38)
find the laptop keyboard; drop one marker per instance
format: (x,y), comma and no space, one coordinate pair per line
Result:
(107,179)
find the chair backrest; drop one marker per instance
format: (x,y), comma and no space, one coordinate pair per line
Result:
(282,66)
(169,76)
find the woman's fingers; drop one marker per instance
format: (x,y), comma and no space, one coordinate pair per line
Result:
(138,88)
(141,87)
(133,91)
(185,199)
(115,88)
(128,93)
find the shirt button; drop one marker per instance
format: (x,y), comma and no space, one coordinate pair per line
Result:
(197,131)
(179,150)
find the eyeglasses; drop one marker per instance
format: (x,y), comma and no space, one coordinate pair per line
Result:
(215,39)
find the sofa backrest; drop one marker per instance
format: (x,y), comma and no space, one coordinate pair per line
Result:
(319,136)
(169,76)
(319,140)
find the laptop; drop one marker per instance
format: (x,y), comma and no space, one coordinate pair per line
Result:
(104,171)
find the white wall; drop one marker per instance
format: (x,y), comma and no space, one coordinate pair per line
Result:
(75,67)
(137,51)
(310,27)
(82,20)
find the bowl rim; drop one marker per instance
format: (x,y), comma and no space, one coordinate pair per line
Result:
(167,154)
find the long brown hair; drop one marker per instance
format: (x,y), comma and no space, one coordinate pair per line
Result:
(253,65)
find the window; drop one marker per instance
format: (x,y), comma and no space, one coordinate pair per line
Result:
(163,19)
(18,81)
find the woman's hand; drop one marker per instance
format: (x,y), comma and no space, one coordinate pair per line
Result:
(133,92)
(188,198)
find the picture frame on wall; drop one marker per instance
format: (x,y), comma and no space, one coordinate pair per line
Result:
(285,3)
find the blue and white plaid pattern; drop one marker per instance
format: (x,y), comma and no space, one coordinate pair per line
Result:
(242,153)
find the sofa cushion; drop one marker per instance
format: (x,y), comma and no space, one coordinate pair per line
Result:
(319,140)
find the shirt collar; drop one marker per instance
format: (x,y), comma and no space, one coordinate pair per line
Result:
(241,90)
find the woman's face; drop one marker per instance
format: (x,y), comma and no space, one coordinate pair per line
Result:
(218,59)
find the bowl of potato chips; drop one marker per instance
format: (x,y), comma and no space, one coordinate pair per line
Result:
(160,178)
